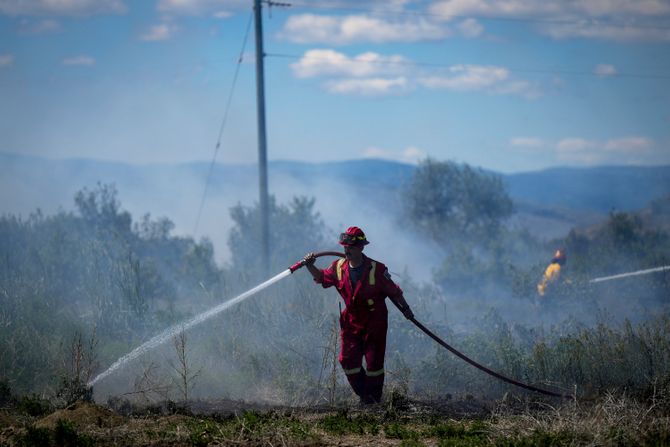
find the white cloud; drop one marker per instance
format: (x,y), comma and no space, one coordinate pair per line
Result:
(337,30)
(627,150)
(551,8)
(372,73)
(6,60)
(86,61)
(467,77)
(413,155)
(470,28)
(560,19)
(574,145)
(62,7)
(376,152)
(216,8)
(622,33)
(527,142)
(488,78)
(368,87)
(324,62)
(156,33)
(604,70)
(517,87)
(630,145)
(410,154)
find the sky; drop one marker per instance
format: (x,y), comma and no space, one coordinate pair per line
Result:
(507,85)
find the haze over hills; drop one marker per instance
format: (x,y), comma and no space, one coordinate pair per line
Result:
(549,203)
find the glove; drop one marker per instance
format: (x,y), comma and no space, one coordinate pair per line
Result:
(407,312)
(309,259)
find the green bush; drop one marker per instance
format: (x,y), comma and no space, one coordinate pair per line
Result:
(34,405)
(35,437)
(65,434)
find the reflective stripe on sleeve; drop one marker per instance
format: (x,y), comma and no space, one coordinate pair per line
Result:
(339,269)
(372,273)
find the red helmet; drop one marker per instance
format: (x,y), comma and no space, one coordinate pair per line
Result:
(559,256)
(353,236)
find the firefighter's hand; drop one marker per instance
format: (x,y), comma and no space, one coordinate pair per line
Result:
(309,259)
(407,312)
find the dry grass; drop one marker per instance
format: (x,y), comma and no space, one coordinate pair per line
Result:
(612,420)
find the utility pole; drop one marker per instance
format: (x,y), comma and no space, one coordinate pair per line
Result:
(262,142)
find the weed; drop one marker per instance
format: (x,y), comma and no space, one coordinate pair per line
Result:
(35,437)
(411,443)
(397,431)
(341,423)
(656,437)
(178,408)
(34,405)
(200,439)
(542,438)
(5,393)
(398,400)
(66,435)
(72,390)
(459,434)
(251,427)
(458,442)
(447,430)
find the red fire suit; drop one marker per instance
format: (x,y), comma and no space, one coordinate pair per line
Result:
(364,322)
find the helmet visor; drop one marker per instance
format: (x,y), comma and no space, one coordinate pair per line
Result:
(348,239)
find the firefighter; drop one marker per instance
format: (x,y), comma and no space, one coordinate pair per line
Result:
(553,272)
(363,284)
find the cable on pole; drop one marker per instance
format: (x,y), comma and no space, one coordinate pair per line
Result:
(223,124)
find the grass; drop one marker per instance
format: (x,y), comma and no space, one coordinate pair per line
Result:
(615,420)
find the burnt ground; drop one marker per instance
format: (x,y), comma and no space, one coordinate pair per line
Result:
(466,408)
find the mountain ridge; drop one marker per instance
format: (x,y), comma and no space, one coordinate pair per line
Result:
(556,197)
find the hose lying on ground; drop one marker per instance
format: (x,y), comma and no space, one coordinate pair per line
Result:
(451,349)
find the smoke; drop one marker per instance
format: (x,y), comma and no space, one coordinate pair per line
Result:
(279,346)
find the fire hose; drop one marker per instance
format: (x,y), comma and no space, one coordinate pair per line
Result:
(445,345)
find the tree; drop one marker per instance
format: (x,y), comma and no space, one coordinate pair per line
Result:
(101,208)
(461,209)
(445,200)
(295,229)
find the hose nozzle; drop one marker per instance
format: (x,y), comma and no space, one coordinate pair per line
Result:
(297,265)
(301,263)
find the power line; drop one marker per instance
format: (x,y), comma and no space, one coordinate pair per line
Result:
(487,17)
(441,65)
(223,124)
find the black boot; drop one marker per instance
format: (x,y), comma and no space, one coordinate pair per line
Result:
(357,382)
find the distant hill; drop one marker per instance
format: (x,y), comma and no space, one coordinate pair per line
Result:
(601,189)
(548,202)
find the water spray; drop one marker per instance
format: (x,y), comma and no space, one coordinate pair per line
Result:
(665,268)
(172,331)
